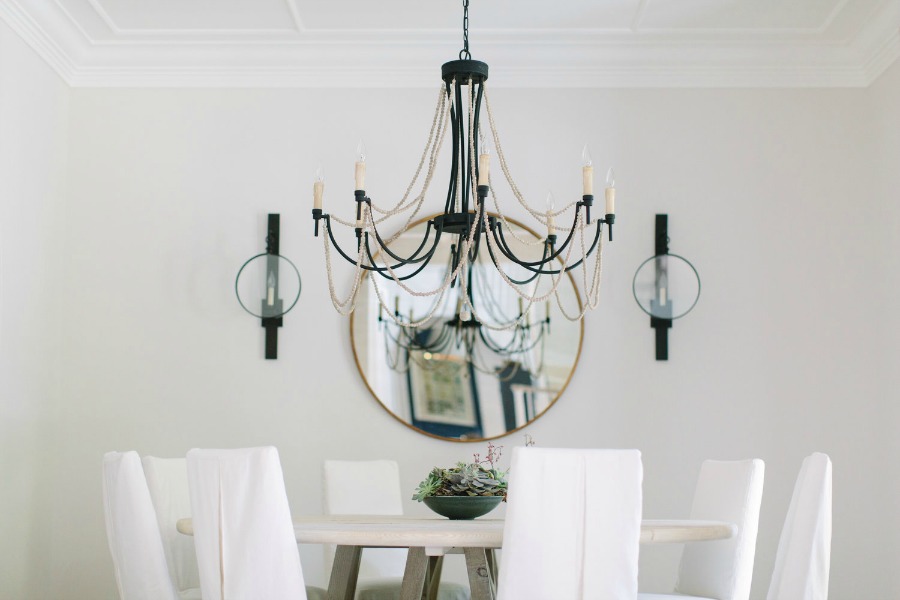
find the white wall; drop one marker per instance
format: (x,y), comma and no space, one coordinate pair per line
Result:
(778,197)
(33,128)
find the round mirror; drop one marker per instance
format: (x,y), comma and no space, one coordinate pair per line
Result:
(462,376)
(666,286)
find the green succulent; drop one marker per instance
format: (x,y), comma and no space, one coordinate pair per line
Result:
(465,479)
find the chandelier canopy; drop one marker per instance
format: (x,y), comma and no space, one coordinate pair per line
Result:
(466,224)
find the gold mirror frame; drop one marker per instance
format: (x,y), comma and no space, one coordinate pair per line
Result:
(362,373)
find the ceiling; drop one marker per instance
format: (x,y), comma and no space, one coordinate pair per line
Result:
(528,43)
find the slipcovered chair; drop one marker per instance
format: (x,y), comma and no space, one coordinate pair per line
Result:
(372,487)
(721,570)
(243,531)
(168,484)
(575,543)
(137,551)
(803,561)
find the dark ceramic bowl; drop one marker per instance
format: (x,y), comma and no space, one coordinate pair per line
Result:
(462,507)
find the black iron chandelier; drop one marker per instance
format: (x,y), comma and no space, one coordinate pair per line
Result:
(465,221)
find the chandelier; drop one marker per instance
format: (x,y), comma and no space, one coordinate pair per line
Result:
(466,224)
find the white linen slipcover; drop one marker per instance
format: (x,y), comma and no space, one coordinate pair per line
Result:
(134,540)
(726,491)
(242,526)
(372,487)
(803,560)
(168,483)
(572,525)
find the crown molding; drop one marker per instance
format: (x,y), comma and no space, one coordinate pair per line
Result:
(554,59)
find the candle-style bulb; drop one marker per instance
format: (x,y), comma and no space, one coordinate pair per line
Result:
(484,163)
(586,160)
(587,172)
(318,188)
(610,192)
(360,172)
(551,223)
(270,291)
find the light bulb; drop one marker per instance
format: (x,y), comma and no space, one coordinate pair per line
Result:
(586,160)
(270,292)
(318,188)
(360,174)
(551,223)
(610,193)
(484,163)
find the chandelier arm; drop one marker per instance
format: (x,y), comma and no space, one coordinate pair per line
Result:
(505,250)
(412,257)
(507,277)
(358,262)
(386,268)
(540,263)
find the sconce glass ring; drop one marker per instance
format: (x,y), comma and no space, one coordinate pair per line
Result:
(258,287)
(680,272)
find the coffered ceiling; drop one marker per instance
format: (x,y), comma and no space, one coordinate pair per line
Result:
(530,43)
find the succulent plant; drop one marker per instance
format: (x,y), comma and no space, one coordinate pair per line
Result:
(479,478)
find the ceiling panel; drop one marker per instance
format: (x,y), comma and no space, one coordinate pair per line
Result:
(739,14)
(529,43)
(483,14)
(212,15)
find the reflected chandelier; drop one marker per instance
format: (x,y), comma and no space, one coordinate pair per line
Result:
(465,220)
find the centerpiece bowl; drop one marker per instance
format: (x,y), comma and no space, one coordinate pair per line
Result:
(466,491)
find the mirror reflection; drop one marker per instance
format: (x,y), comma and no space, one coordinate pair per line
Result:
(462,373)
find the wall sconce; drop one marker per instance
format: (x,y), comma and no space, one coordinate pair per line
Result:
(264,281)
(666,287)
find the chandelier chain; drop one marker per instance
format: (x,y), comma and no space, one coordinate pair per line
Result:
(464,54)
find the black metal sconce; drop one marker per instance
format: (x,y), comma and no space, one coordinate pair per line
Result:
(278,277)
(654,282)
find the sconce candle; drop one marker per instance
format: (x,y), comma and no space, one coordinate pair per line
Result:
(270,284)
(360,166)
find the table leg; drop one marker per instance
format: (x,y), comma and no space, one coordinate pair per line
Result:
(415,574)
(433,580)
(344,573)
(479,574)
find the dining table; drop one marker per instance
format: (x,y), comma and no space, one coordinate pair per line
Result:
(429,539)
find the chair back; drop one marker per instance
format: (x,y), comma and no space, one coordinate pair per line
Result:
(803,560)
(168,483)
(572,525)
(137,551)
(243,531)
(726,491)
(366,487)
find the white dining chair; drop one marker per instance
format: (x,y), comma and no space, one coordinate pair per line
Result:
(803,560)
(722,570)
(168,484)
(575,542)
(243,531)
(372,487)
(139,560)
